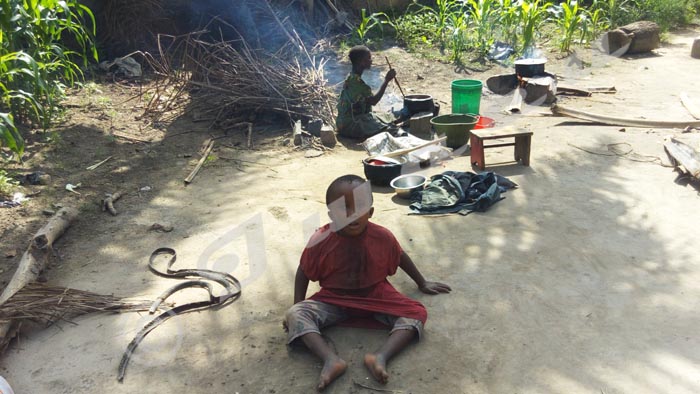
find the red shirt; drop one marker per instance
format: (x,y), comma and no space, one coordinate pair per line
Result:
(348,263)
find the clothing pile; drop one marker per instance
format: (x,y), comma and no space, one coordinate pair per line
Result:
(460,192)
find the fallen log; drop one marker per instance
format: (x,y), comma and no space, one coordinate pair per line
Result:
(616,121)
(34,261)
(36,257)
(684,155)
(690,105)
(637,37)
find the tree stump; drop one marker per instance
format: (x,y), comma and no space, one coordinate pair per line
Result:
(637,37)
(695,52)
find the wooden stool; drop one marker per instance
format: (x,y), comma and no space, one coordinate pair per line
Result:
(522,144)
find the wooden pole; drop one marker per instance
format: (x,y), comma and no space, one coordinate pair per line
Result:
(618,121)
(402,152)
(395,79)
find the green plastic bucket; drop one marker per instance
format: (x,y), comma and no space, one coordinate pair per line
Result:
(455,126)
(466,96)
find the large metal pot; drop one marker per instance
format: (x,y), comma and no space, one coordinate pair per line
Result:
(530,67)
(416,103)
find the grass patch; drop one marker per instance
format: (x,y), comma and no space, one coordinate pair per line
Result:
(7,184)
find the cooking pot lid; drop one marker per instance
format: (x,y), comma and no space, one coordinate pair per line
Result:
(530,62)
(418,97)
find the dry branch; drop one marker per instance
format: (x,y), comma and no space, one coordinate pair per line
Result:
(207,151)
(108,203)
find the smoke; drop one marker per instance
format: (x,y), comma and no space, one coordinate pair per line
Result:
(255,21)
(532,52)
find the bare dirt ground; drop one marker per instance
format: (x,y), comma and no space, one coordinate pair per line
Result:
(583,280)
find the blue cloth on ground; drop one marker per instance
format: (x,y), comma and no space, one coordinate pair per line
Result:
(460,192)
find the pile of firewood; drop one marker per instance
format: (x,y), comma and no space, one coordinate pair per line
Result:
(221,81)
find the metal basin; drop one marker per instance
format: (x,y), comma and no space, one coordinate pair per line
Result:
(404,185)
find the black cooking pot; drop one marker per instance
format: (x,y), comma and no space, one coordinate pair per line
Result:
(530,67)
(416,103)
(382,174)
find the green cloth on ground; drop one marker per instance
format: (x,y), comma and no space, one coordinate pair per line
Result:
(360,123)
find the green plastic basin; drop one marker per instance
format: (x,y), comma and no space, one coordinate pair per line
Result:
(455,126)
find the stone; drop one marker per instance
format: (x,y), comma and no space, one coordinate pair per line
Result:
(314,127)
(328,138)
(695,51)
(540,90)
(310,153)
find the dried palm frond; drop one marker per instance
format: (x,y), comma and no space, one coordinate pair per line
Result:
(48,304)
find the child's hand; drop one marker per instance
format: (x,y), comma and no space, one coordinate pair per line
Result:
(391,74)
(435,288)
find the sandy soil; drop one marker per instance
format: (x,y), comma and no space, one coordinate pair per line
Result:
(583,280)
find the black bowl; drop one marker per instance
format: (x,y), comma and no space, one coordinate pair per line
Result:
(381,175)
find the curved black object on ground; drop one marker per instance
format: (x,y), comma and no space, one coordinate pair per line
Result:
(231,284)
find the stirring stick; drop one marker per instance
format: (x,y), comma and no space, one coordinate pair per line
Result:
(395,79)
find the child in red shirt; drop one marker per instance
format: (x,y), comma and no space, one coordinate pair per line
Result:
(351,258)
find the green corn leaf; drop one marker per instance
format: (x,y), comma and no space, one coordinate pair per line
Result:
(10,136)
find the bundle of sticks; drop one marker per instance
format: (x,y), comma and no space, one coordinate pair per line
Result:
(227,78)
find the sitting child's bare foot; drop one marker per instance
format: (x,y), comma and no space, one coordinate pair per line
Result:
(331,370)
(377,366)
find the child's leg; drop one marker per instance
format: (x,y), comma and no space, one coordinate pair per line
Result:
(403,332)
(304,321)
(333,365)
